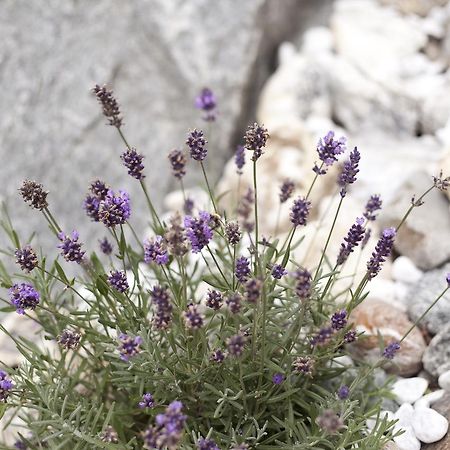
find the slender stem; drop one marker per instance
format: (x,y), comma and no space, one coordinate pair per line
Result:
(209,187)
(414,205)
(218,266)
(255,191)
(151,207)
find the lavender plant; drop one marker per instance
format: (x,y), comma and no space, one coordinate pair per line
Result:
(188,338)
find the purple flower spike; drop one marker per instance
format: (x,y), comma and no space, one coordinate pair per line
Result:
(155,251)
(5,386)
(26,258)
(278,271)
(382,251)
(198,230)
(118,280)
(239,159)
(90,205)
(373,205)
(350,336)
(304,283)
(343,392)
(353,238)
(70,247)
(236,344)
(339,320)
(242,270)
(129,346)
(214,299)
(192,318)
(206,101)
(255,140)
(277,378)
(197,145)
(163,315)
(146,401)
(300,211)
(286,190)
(349,171)
(132,160)
(447,278)
(177,160)
(106,246)
(207,444)
(115,209)
(390,351)
(329,149)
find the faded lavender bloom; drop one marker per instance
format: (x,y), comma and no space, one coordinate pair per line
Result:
(218,356)
(5,386)
(155,251)
(109,105)
(447,279)
(329,421)
(233,233)
(366,237)
(70,340)
(114,209)
(175,237)
(343,392)
(236,344)
(304,283)
(300,211)
(110,435)
(178,161)
(188,206)
(372,206)
(146,401)
(277,378)
(354,237)
(303,365)
(23,296)
(206,101)
(339,320)
(163,315)
(105,246)
(33,193)
(207,444)
(215,221)
(118,280)
(214,299)
(390,351)
(441,183)
(255,140)
(132,160)
(129,346)
(382,251)
(91,204)
(242,270)
(198,230)
(239,159)
(329,149)
(197,145)
(192,318)
(26,258)
(278,271)
(286,190)
(233,302)
(245,209)
(322,337)
(70,247)
(349,171)
(253,289)
(350,336)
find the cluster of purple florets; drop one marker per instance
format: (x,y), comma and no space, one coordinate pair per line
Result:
(382,251)
(23,296)
(300,212)
(349,171)
(118,280)
(155,251)
(163,314)
(115,209)
(207,102)
(129,346)
(70,247)
(198,230)
(242,270)
(328,150)
(353,238)
(132,160)
(6,386)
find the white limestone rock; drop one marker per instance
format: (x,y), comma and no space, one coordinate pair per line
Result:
(408,390)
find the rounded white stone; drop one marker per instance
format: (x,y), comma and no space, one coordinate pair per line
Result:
(404,270)
(404,415)
(444,380)
(429,399)
(407,440)
(428,425)
(409,390)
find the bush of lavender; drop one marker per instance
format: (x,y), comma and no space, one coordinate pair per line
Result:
(202,336)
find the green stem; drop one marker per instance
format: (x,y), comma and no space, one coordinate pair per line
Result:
(209,187)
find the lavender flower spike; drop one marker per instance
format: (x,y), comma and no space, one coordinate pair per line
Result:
(349,171)
(198,230)
(5,386)
(129,346)
(115,209)
(242,270)
(26,258)
(207,444)
(286,190)
(155,251)
(118,280)
(300,211)
(239,159)
(391,350)
(278,271)
(132,160)
(255,140)
(206,101)
(373,205)
(353,238)
(329,149)
(177,161)
(197,145)
(146,401)
(382,251)
(70,247)
(23,296)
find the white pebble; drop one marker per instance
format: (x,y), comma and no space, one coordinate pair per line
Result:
(444,380)
(428,425)
(429,399)
(404,270)
(407,440)
(372,421)
(404,415)
(408,390)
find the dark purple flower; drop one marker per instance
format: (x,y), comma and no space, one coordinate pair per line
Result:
(390,351)
(303,365)
(339,320)
(177,160)
(286,190)
(155,251)
(255,140)
(23,296)
(109,105)
(233,233)
(70,340)
(20,445)
(239,158)
(349,171)
(322,337)
(192,318)
(236,344)
(26,258)
(278,271)
(447,279)
(218,356)
(253,289)
(206,101)
(161,299)
(277,378)
(354,237)
(115,209)
(382,251)
(207,444)
(129,346)
(214,299)
(188,206)
(304,283)
(372,206)
(146,401)
(118,280)
(5,386)
(233,302)
(105,246)
(198,230)
(197,145)
(90,205)
(242,270)
(300,211)
(34,194)
(350,336)
(70,247)
(132,160)
(329,149)
(99,189)
(343,392)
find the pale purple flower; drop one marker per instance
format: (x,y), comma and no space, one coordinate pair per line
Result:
(70,247)
(115,209)
(155,251)
(300,211)
(129,346)
(198,230)
(328,149)
(23,296)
